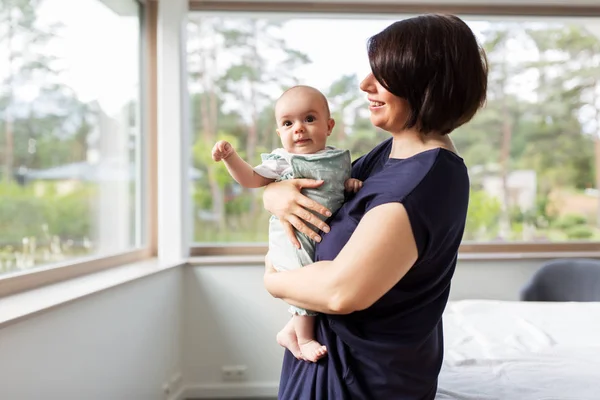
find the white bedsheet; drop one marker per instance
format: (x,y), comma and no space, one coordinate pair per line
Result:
(496,350)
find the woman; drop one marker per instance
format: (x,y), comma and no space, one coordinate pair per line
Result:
(383,271)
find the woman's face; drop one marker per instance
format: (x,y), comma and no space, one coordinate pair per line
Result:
(388,111)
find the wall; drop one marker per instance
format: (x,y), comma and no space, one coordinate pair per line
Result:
(120,344)
(124,343)
(230,320)
(491,279)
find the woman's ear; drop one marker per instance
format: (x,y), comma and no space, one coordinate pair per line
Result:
(330,125)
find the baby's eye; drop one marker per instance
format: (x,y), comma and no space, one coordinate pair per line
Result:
(310,118)
(287,123)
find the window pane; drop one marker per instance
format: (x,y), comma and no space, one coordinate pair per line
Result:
(531,151)
(69,130)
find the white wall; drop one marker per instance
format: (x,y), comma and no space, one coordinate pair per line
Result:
(230,320)
(491,279)
(120,344)
(124,343)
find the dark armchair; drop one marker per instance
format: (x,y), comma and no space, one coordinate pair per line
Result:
(564,280)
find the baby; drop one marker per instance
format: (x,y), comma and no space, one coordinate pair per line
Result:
(303,124)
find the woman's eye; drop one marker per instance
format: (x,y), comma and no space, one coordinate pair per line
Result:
(310,118)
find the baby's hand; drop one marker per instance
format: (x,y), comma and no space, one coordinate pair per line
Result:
(353,185)
(222,150)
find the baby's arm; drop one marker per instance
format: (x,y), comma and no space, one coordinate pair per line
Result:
(240,170)
(352,185)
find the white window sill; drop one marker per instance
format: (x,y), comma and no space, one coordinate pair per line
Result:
(227,261)
(23,305)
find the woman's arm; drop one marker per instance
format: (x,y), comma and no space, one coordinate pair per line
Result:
(380,252)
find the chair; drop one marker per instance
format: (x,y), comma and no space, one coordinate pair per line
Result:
(564,280)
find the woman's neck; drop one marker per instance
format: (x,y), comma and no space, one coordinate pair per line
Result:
(410,142)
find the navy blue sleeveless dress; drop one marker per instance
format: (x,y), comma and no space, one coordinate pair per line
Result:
(394,349)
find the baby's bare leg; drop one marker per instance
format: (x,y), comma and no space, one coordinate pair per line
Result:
(305,331)
(287,338)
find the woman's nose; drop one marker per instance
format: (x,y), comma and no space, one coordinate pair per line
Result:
(367,84)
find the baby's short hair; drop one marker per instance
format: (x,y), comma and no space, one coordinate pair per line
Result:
(306,87)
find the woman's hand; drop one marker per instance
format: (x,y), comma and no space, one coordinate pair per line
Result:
(284,200)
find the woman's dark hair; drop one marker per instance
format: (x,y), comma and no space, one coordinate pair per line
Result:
(435,63)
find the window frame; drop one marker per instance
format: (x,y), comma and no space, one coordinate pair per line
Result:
(146,196)
(575,8)
(45,275)
(471,250)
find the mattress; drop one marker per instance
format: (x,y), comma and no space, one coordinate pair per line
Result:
(499,350)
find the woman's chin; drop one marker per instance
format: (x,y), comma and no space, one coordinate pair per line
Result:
(377,121)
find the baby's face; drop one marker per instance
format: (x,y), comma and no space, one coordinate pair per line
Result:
(303,121)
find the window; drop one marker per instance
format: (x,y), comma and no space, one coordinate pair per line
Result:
(532,152)
(70,137)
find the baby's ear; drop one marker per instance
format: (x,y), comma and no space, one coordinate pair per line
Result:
(278,134)
(330,125)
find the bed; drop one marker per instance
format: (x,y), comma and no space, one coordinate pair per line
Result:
(499,350)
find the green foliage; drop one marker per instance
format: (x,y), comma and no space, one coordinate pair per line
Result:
(235,65)
(44,124)
(569,221)
(546,135)
(24,213)
(580,232)
(483,216)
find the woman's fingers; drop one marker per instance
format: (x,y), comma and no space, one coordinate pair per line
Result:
(307,183)
(310,204)
(295,210)
(291,234)
(311,218)
(302,227)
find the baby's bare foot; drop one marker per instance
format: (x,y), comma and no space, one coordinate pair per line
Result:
(312,350)
(287,338)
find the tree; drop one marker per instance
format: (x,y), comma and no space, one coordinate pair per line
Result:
(24,40)
(253,77)
(204,45)
(571,65)
(244,81)
(344,96)
(503,71)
